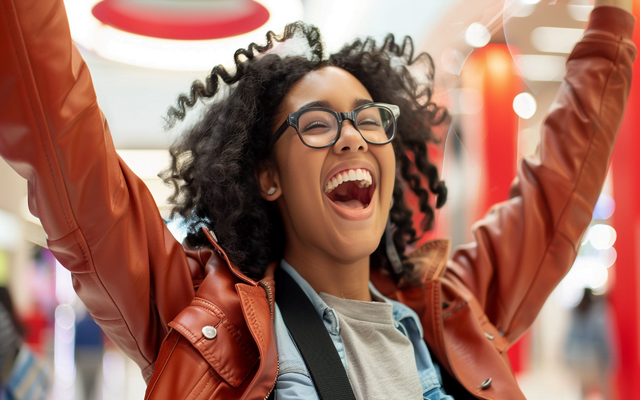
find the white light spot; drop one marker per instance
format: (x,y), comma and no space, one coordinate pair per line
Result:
(524,105)
(602,236)
(595,276)
(607,257)
(530,1)
(604,207)
(569,292)
(537,67)
(63,353)
(518,8)
(477,35)
(549,39)
(586,272)
(65,294)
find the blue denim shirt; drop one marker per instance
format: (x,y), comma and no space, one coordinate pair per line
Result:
(294,381)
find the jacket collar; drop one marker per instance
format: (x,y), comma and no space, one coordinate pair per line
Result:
(429,261)
(429,264)
(234,269)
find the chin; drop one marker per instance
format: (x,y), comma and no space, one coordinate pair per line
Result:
(355,245)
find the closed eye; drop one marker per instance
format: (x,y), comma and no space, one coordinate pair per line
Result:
(312,125)
(370,121)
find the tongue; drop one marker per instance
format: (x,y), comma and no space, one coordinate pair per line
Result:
(352,204)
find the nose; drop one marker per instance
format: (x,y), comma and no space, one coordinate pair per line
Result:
(350,139)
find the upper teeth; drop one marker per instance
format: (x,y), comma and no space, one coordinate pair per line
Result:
(362,177)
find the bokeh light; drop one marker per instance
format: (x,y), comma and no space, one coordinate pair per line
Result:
(607,257)
(525,105)
(604,207)
(477,35)
(602,236)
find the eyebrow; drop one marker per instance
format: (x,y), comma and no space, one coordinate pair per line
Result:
(321,103)
(313,104)
(361,102)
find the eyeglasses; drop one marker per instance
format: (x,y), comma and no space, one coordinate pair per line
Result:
(320,127)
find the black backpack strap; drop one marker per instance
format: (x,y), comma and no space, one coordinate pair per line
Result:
(313,340)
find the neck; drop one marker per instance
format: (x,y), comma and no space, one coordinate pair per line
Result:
(349,280)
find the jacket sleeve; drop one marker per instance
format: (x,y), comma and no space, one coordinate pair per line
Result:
(525,246)
(101,221)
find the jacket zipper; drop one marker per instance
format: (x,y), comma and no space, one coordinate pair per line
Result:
(274,382)
(265,285)
(267,288)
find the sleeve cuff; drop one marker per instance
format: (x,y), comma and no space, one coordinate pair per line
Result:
(612,19)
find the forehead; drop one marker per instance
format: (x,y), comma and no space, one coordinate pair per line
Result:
(332,85)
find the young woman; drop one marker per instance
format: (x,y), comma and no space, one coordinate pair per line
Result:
(299,169)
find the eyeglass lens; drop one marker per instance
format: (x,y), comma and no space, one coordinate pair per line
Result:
(319,128)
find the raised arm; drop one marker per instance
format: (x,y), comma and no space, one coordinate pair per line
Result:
(100,219)
(526,245)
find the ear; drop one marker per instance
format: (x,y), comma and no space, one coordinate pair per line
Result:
(268,179)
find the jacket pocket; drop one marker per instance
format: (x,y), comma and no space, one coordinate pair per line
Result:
(180,372)
(203,388)
(206,327)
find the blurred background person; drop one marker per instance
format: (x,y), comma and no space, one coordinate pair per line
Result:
(589,352)
(89,345)
(10,339)
(22,377)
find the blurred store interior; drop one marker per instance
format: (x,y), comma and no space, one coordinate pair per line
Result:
(498,67)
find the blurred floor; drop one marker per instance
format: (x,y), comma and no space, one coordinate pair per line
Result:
(550,383)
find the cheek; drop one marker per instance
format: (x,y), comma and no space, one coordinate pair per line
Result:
(300,174)
(387,162)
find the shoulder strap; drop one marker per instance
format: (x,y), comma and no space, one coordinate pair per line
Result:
(313,340)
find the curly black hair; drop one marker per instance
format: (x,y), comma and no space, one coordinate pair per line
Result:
(214,162)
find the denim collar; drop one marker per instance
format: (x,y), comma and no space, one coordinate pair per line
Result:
(325,312)
(400,311)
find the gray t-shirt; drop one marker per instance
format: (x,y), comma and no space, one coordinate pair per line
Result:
(380,359)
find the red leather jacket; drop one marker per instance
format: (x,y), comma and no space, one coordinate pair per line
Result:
(152,297)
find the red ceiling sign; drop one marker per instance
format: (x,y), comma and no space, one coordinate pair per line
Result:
(174,21)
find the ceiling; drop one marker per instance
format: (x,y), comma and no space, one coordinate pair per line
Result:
(134,99)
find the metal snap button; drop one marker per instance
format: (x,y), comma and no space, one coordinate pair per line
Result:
(489,336)
(209,332)
(486,384)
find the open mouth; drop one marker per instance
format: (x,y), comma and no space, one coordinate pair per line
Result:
(351,189)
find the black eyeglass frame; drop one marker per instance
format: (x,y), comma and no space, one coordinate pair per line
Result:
(293,119)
